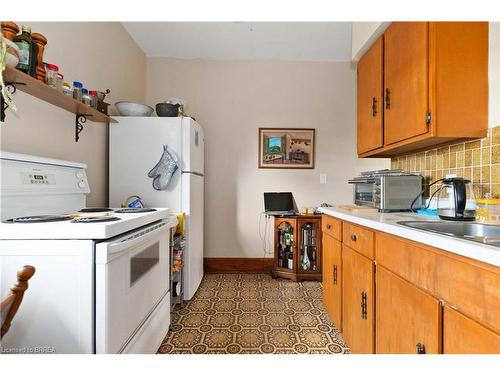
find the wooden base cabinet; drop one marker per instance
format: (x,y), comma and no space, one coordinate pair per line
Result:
(358,305)
(408,320)
(463,335)
(332,279)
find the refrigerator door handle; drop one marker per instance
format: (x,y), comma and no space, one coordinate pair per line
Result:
(195,173)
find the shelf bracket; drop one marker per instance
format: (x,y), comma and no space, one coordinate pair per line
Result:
(79,121)
(11,88)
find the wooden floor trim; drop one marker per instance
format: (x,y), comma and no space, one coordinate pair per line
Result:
(233,265)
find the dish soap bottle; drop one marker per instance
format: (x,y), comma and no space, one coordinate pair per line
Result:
(24,43)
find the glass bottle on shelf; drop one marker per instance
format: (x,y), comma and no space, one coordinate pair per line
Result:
(290,260)
(308,248)
(24,43)
(281,249)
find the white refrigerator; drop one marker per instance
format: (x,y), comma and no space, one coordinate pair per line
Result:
(135,146)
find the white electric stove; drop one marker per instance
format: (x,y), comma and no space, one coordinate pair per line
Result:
(102,275)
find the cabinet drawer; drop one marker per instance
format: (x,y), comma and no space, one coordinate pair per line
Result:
(469,286)
(360,239)
(332,227)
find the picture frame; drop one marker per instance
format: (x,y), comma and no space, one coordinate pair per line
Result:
(286,148)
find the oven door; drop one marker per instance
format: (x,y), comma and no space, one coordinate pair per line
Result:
(132,278)
(364,192)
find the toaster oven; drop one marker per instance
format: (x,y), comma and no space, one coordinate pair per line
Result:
(387,190)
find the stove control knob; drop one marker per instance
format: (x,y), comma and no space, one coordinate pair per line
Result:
(80,174)
(81,184)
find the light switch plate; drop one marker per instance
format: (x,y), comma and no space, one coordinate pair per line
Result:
(322,178)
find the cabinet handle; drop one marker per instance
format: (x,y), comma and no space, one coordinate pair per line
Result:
(420,348)
(353,238)
(387,99)
(364,310)
(328,226)
(334,274)
(374,107)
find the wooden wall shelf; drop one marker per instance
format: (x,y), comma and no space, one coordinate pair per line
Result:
(40,90)
(24,82)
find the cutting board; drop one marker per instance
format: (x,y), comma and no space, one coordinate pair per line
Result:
(357,209)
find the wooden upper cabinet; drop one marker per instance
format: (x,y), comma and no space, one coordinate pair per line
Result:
(463,335)
(408,320)
(406,80)
(435,87)
(369,98)
(332,279)
(358,305)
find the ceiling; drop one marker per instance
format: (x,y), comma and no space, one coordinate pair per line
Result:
(316,41)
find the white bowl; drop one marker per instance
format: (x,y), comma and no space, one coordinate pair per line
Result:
(133,109)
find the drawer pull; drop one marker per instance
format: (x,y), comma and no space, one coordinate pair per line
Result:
(420,348)
(364,310)
(328,226)
(334,274)
(387,98)
(374,107)
(353,237)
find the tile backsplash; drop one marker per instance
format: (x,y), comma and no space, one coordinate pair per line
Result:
(478,161)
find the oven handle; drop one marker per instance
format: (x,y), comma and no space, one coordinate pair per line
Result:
(135,238)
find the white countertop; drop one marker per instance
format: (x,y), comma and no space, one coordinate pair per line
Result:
(387,222)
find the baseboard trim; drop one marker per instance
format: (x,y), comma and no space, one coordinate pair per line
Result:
(234,265)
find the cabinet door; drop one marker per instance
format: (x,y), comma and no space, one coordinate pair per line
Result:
(463,335)
(309,245)
(357,301)
(369,102)
(288,226)
(332,279)
(406,80)
(408,319)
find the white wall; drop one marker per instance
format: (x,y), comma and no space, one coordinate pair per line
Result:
(101,55)
(232,99)
(364,35)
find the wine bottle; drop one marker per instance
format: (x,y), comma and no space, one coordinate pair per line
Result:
(290,260)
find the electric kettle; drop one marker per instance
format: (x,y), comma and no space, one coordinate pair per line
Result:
(456,200)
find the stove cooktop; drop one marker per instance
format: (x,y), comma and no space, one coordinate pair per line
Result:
(39,219)
(134,210)
(70,226)
(95,219)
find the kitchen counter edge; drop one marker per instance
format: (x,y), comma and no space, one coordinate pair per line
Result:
(387,223)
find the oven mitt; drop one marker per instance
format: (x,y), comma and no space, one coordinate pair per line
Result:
(163,171)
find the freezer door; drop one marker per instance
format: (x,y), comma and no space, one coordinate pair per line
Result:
(193,146)
(135,146)
(192,205)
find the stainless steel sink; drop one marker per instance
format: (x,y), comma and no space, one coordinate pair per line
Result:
(487,234)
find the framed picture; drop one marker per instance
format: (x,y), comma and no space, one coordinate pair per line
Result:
(286,148)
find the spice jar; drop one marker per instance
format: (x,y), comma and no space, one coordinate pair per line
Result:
(51,75)
(93,98)
(60,80)
(77,90)
(67,90)
(85,96)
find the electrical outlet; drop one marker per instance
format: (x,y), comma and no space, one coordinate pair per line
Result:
(322,178)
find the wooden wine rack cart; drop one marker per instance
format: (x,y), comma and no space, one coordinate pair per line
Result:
(297,247)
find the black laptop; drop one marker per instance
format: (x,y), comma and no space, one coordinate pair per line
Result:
(279,204)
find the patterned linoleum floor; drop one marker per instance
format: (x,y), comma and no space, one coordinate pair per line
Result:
(253,314)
